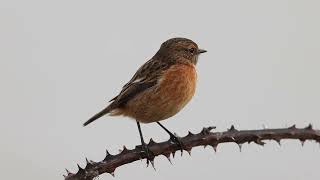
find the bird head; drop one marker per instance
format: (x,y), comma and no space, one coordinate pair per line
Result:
(182,50)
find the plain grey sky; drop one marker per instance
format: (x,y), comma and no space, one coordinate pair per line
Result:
(61,61)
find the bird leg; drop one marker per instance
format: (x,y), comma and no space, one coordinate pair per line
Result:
(173,137)
(145,148)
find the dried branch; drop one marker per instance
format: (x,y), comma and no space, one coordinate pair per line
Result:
(204,138)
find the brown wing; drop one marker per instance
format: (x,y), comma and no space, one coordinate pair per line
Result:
(147,76)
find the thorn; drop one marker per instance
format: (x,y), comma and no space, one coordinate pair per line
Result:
(240,147)
(309,127)
(173,154)
(80,168)
(203,131)
(168,157)
(64,176)
(124,150)
(232,129)
(151,142)
(112,174)
(215,147)
(89,163)
(293,127)
(211,127)
(189,152)
(207,130)
(302,142)
(152,164)
(278,141)
(107,155)
(68,172)
(190,134)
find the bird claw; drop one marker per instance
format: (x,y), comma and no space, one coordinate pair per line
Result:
(149,154)
(177,141)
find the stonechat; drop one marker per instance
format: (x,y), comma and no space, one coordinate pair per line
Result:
(160,88)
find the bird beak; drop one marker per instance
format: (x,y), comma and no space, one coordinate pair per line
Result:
(201,51)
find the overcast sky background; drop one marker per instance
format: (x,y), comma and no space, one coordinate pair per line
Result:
(61,61)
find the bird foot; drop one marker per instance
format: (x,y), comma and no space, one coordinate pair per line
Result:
(177,141)
(149,155)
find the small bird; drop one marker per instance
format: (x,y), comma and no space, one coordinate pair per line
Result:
(159,89)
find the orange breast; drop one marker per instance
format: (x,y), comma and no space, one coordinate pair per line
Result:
(174,90)
(177,87)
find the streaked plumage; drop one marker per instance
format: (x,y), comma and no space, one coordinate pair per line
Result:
(161,87)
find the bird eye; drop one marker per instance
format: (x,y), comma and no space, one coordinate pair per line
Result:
(192,50)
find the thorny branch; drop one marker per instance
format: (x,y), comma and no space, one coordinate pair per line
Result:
(204,138)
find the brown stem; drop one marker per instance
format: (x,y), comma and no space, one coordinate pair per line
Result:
(204,138)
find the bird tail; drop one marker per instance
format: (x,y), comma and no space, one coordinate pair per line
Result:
(98,115)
